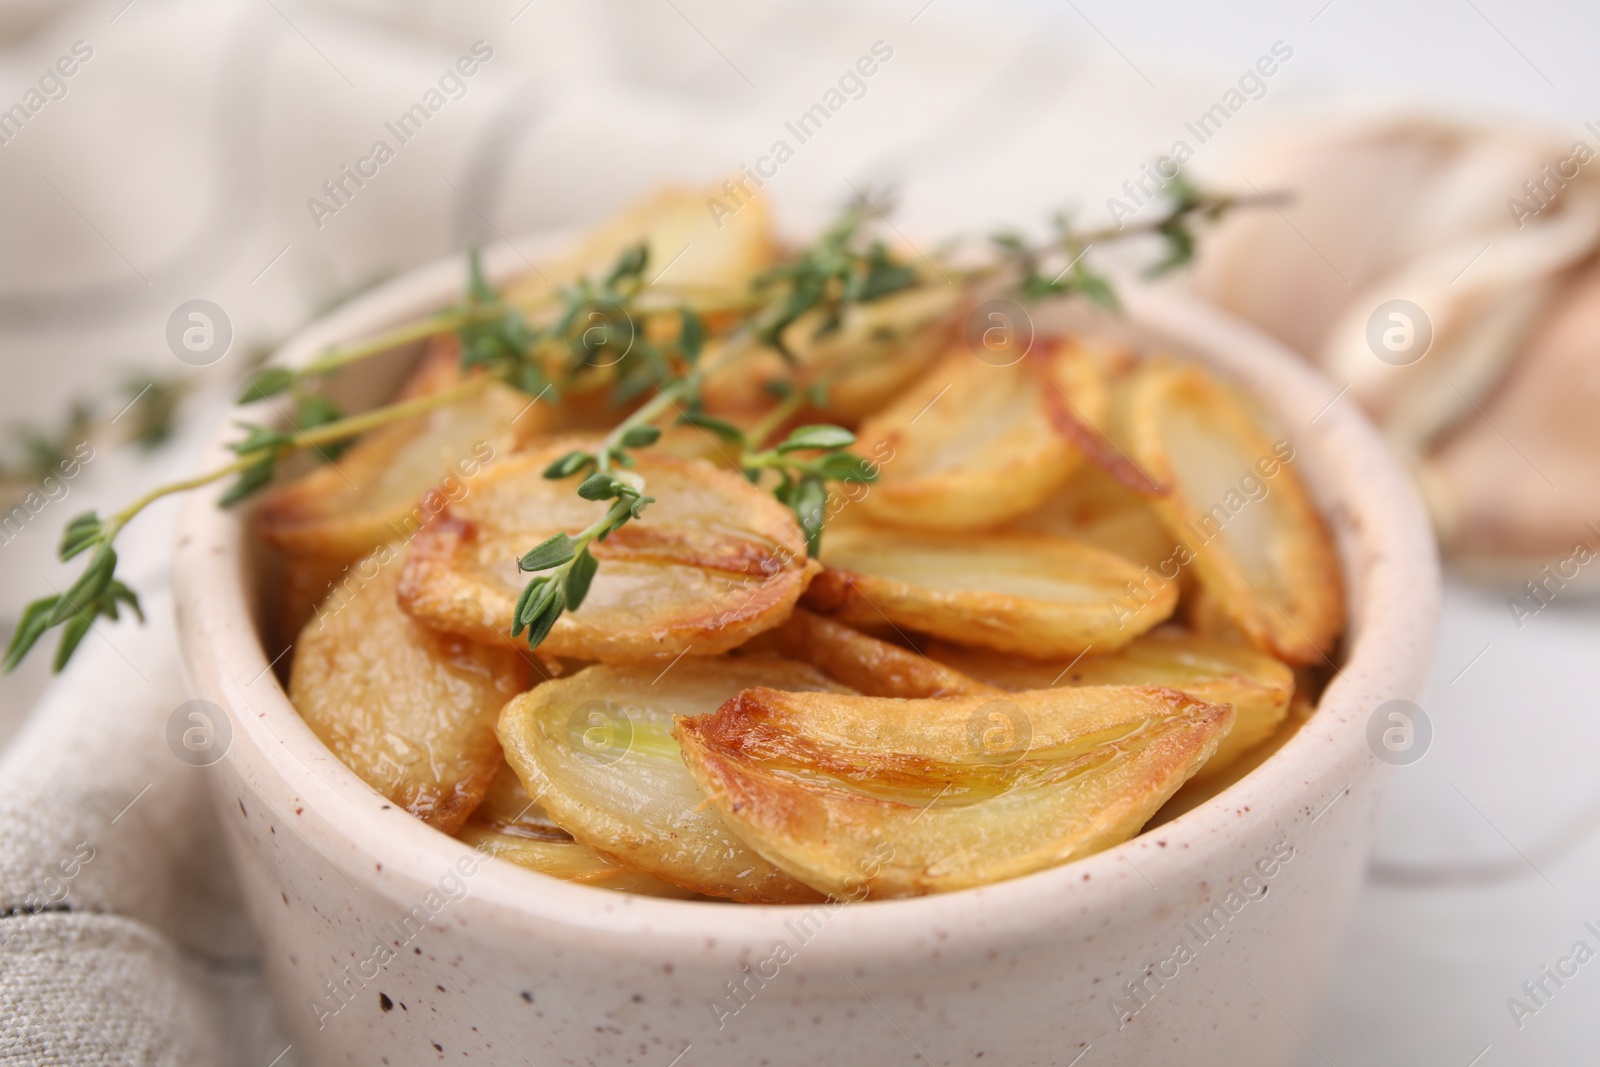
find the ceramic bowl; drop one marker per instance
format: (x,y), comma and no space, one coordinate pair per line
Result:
(1205,941)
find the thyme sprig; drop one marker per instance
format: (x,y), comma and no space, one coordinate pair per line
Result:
(617,329)
(564,563)
(148,402)
(845,266)
(806,461)
(1061,267)
(97,591)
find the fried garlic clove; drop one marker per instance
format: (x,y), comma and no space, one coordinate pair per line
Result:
(864,663)
(1093,507)
(597,750)
(409,710)
(391,481)
(512,826)
(692,251)
(1254,538)
(713,561)
(1256,685)
(973,444)
(1025,594)
(873,797)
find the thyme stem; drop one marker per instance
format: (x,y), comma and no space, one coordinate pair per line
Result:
(715,301)
(121,518)
(668,396)
(780,413)
(439,322)
(332,432)
(369,420)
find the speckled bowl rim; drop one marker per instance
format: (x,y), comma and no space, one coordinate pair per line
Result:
(1392,573)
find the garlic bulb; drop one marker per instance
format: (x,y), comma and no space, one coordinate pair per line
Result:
(1433,268)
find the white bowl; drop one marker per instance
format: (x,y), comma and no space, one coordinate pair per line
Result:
(387,942)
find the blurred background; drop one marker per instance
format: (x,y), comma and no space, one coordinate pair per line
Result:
(157,153)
